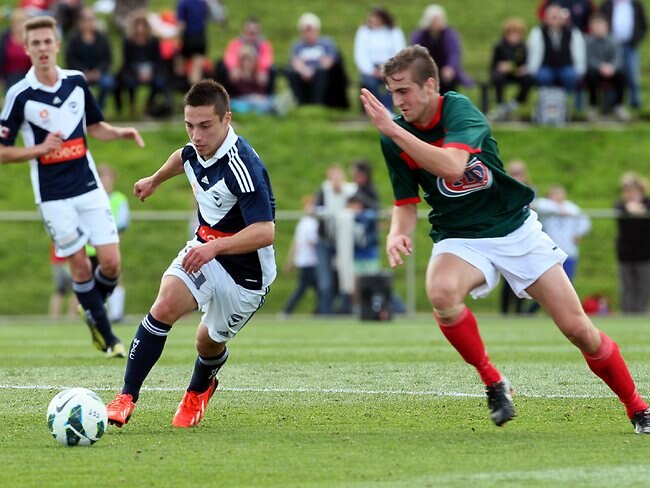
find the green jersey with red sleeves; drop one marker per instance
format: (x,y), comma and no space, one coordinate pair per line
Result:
(485,202)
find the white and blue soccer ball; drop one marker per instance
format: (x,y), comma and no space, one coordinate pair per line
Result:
(77,417)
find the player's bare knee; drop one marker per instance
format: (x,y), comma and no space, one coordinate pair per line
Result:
(449,314)
(165,310)
(582,334)
(443,297)
(110,267)
(206,347)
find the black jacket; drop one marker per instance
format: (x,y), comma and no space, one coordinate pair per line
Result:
(640,19)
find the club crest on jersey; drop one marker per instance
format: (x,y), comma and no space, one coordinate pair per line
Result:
(477,177)
(44,114)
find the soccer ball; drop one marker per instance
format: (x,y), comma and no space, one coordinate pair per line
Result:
(77,417)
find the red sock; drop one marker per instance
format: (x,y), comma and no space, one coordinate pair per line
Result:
(464,336)
(608,364)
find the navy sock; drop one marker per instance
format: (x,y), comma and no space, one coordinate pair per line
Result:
(205,369)
(145,350)
(105,285)
(92,302)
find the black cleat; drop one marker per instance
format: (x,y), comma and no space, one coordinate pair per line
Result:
(502,408)
(641,422)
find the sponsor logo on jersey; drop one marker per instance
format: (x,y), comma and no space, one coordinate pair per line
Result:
(57,101)
(477,177)
(69,151)
(205,180)
(44,114)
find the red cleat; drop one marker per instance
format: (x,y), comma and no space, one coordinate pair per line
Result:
(190,412)
(119,410)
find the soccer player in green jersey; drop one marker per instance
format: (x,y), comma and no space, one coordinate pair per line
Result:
(481,225)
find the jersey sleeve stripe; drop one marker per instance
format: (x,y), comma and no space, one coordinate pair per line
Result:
(241,173)
(237,176)
(245,174)
(406,201)
(464,147)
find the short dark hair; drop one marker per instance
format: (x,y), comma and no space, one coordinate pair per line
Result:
(42,22)
(416,59)
(208,92)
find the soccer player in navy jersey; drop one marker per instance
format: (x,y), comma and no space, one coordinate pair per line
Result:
(54,109)
(225,270)
(482,226)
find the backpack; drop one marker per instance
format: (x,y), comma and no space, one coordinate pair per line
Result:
(551,108)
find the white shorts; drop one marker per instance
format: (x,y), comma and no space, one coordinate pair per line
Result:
(521,257)
(226,305)
(72,222)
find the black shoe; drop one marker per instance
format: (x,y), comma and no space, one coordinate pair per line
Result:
(502,408)
(641,422)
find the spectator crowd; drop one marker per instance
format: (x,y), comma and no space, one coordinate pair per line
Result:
(577,48)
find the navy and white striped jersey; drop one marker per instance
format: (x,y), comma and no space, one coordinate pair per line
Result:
(35,109)
(233,191)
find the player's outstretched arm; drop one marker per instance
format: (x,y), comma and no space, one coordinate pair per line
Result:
(107,132)
(448,163)
(144,187)
(398,241)
(13,154)
(251,238)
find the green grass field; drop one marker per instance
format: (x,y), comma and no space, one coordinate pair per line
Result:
(309,403)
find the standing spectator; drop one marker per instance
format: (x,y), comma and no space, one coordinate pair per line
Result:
(579,11)
(556,52)
(604,64)
(142,64)
(374,43)
(88,50)
(565,223)
(62,287)
(629,25)
(330,202)
(303,255)
(250,36)
(192,16)
(516,169)
(67,14)
(444,46)
(122,217)
(14,62)
(366,189)
(508,66)
(633,244)
(312,59)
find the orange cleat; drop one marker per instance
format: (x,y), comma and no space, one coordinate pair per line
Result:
(190,412)
(119,410)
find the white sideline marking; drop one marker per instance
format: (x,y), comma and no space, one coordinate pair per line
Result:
(350,391)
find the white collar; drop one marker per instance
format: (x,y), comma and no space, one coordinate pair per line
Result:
(37,85)
(226,145)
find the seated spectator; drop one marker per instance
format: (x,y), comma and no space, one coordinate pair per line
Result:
(629,25)
(88,50)
(142,66)
(509,67)
(443,43)
(604,65)
(231,72)
(192,16)
(556,52)
(247,93)
(35,8)
(374,43)
(14,62)
(67,13)
(311,67)
(579,11)
(633,244)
